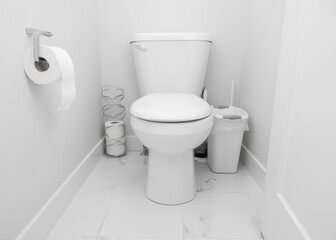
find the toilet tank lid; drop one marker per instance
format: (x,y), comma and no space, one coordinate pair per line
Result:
(170,107)
(171,36)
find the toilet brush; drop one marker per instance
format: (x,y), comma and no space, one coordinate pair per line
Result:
(231,116)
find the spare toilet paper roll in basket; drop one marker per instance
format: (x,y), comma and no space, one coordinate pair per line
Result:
(58,67)
(115,138)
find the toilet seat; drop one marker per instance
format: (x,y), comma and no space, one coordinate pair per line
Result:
(170,107)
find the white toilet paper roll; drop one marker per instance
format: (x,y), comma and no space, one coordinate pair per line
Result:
(57,66)
(115,138)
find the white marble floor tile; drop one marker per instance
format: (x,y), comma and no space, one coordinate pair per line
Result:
(220,215)
(245,180)
(71,238)
(208,181)
(131,214)
(106,174)
(127,238)
(112,204)
(135,158)
(223,239)
(256,200)
(84,215)
(133,177)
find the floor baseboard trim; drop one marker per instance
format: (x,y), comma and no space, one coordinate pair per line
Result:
(298,225)
(41,224)
(253,165)
(133,143)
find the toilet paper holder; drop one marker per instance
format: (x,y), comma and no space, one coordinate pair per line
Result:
(36,33)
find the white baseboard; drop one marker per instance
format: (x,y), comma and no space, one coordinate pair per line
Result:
(253,165)
(133,143)
(41,224)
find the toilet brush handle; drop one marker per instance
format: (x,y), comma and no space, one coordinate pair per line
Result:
(232,92)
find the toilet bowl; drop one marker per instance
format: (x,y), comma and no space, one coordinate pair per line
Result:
(171,125)
(170,118)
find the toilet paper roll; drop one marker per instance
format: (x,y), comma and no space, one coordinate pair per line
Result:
(115,138)
(55,65)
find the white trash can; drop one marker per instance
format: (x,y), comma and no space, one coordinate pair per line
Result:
(225,139)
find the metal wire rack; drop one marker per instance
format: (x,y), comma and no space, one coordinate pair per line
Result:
(113,113)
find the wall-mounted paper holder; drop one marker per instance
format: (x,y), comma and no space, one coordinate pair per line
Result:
(36,40)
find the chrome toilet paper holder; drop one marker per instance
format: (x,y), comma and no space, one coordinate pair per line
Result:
(36,33)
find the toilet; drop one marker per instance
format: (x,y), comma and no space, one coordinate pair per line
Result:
(170,118)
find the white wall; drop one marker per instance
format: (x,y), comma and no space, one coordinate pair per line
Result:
(259,71)
(39,147)
(223,19)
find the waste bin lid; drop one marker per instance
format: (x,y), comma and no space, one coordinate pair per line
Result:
(230,118)
(229,113)
(170,107)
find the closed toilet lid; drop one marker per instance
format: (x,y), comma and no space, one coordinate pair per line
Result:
(170,107)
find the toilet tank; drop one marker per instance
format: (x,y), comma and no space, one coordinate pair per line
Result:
(170,62)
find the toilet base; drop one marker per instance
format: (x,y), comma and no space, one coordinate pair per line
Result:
(171,177)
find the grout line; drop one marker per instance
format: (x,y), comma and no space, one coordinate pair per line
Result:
(103,220)
(166,238)
(113,192)
(205,192)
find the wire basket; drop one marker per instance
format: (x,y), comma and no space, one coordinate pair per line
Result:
(113,113)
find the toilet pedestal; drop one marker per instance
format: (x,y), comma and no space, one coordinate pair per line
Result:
(171,177)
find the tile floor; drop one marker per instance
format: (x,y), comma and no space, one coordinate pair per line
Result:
(111,205)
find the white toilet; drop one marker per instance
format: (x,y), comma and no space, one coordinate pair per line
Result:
(170,118)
